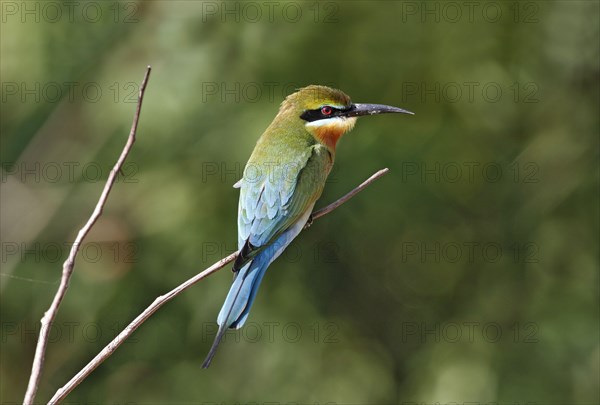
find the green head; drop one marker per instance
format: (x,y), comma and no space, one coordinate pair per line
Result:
(328,113)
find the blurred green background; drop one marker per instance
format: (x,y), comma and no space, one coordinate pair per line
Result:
(469,273)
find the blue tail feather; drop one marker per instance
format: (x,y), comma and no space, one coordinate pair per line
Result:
(242,293)
(239,300)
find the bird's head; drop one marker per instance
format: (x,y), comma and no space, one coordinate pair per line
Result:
(328,113)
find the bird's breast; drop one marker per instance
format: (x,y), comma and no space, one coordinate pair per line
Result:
(329,131)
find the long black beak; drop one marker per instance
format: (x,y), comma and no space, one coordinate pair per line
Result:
(357,110)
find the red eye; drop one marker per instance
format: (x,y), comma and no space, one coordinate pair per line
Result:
(326,110)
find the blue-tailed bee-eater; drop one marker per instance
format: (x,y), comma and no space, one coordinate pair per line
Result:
(282,180)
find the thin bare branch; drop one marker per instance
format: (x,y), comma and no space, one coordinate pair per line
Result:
(50,314)
(326,210)
(163,299)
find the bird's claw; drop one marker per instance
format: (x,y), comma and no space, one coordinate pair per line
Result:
(309,222)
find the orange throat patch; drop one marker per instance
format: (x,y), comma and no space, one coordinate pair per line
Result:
(329,131)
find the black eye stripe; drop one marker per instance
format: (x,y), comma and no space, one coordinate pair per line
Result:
(316,114)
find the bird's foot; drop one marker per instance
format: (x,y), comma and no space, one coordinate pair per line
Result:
(309,222)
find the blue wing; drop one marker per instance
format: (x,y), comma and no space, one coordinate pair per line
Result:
(268,202)
(275,202)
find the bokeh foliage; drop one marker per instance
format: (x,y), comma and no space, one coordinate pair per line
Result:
(445,281)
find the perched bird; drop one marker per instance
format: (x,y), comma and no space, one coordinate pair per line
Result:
(282,181)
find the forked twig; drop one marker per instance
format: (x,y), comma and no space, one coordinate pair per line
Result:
(50,314)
